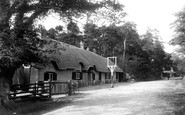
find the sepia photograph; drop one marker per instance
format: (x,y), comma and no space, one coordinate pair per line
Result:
(92,57)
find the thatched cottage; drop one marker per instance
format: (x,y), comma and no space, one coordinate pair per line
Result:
(72,63)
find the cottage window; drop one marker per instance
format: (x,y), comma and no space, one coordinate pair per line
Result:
(77,76)
(50,76)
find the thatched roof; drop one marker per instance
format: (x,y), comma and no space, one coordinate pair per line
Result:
(71,57)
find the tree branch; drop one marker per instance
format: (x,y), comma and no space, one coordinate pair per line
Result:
(37,13)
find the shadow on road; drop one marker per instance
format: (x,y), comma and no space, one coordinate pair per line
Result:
(38,107)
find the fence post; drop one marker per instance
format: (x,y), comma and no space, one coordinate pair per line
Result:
(14,92)
(70,88)
(35,90)
(49,89)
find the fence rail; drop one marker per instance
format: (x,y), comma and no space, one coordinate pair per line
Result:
(30,91)
(41,90)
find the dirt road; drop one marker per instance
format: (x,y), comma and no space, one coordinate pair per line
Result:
(166,97)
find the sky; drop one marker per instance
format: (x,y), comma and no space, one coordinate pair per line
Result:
(155,14)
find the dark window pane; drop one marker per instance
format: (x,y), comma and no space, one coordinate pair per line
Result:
(93,76)
(73,76)
(76,76)
(99,75)
(46,76)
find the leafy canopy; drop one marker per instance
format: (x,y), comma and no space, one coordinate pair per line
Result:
(179,28)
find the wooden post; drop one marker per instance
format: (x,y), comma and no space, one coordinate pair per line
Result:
(70,88)
(50,89)
(14,92)
(112,82)
(35,90)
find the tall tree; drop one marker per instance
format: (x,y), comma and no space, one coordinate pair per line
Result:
(179,39)
(72,36)
(153,56)
(109,40)
(91,35)
(179,28)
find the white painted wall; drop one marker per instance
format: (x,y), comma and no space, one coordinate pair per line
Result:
(64,75)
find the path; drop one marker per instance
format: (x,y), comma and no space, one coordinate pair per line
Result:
(165,97)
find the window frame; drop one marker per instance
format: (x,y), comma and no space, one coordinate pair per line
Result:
(51,76)
(77,75)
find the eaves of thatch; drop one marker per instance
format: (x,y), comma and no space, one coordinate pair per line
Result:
(70,57)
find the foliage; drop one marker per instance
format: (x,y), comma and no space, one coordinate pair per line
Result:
(108,40)
(154,58)
(179,40)
(181,67)
(179,28)
(73,28)
(179,63)
(72,36)
(108,15)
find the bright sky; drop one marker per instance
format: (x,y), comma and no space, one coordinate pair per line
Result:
(155,14)
(158,14)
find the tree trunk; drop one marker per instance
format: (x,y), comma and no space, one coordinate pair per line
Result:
(6,76)
(4,90)
(124,54)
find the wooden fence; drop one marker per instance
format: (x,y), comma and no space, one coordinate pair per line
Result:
(59,88)
(38,90)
